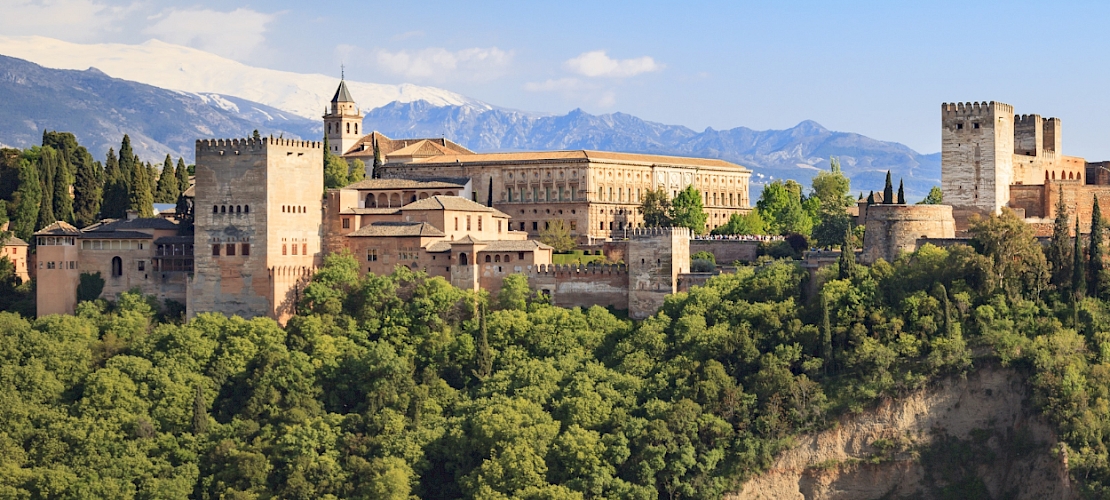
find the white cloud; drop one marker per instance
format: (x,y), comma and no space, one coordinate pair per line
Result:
(437,63)
(575,90)
(77,20)
(235,34)
(560,85)
(598,64)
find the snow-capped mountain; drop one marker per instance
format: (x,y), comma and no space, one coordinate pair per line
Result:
(182,68)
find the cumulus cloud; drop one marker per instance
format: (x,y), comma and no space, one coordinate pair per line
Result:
(235,34)
(75,20)
(598,64)
(437,63)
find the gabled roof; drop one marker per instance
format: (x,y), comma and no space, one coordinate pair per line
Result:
(116,235)
(422,149)
(59,228)
(457,203)
(15,241)
(364,147)
(134,224)
(371,211)
(397,229)
(342,94)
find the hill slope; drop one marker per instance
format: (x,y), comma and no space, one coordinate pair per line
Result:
(99,109)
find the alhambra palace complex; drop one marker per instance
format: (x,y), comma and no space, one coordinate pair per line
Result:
(261,227)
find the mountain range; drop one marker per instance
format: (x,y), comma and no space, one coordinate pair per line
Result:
(187,94)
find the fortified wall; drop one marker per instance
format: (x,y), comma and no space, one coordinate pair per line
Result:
(892,229)
(656,259)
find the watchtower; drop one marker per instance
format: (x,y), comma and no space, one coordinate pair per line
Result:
(342,121)
(655,257)
(977,148)
(258,222)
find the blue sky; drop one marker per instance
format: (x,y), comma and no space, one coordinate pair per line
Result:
(877,68)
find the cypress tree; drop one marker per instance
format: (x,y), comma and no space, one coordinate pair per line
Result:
(888,191)
(847,261)
(1078,274)
(27,201)
(1058,251)
(167,183)
(127,161)
(88,188)
(378,161)
(47,167)
(182,174)
(200,413)
(141,199)
(484,354)
(826,333)
(901,193)
(63,202)
(870,198)
(116,197)
(1094,254)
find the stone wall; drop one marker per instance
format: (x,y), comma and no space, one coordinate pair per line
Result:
(582,286)
(727,251)
(977,149)
(57,278)
(893,229)
(656,257)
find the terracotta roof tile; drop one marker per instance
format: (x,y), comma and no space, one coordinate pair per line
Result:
(395,229)
(58,228)
(408,184)
(584,155)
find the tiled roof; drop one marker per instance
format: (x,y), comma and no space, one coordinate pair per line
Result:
(191,192)
(371,211)
(512,245)
(407,184)
(58,228)
(342,94)
(451,203)
(116,235)
(364,147)
(394,229)
(580,154)
(422,149)
(15,241)
(133,224)
(170,240)
(439,246)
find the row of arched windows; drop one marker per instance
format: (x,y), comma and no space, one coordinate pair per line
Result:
(496,258)
(337,128)
(1069,176)
(303,248)
(294,209)
(231,209)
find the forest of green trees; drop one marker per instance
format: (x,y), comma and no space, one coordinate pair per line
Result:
(403,386)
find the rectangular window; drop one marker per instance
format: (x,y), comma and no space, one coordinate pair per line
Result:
(50,265)
(468,223)
(142,265)
(216,250)
(371,255)
(510,193)
(245,249)
(230,249)
(456,223)
(535,193)
(304,248)
(499,226)
(535,226)
(346,223)
(479,222)
(520,255)
(284,249)
(294,249)
(573,225)
(521,226)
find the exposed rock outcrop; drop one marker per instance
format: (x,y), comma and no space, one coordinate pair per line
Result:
(965,437)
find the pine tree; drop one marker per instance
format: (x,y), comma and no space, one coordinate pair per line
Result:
(182,174)
(256,136)
(901,193)
(888,191)
(116,196)
(1094,254)
(88,188)
(167,183)
(141,200)
(27,201)
(1058,249)
(1078,274)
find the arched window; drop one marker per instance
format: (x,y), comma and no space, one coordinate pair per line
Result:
(356,128)
(223,209)
(238,209)
(1046,175)
(117,267)
(284,249)
(215,209)
(348,128)
(246,209)
(462,259)
(506,257)
(496,258)
(488,259)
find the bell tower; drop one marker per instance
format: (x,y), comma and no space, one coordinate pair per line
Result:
(342,121)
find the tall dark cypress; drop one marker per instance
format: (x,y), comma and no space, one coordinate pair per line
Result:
(826,334)
(182,174)
(1058,250)
(141,199)
(28,201)
(88,188)
(847,263)
(63,201)
(901,193)
(127,161)
(48,168)
(1078,273)
(1094,254)
(378,161)
(167,183)
(484,354)
(888,191)
(116,197)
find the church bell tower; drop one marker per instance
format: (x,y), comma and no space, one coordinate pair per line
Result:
(342,121)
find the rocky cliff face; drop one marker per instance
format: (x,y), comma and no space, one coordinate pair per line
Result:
(973,437)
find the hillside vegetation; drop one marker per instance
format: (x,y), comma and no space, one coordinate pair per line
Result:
(399,386)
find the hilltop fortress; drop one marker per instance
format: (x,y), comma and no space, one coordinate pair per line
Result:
(991,159)
(263,223)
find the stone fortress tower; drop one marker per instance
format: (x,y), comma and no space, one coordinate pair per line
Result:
(977,148)
(342,121)
(655,257)
(258,225)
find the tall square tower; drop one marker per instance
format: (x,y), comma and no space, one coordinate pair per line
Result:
(258,212)
(977,148)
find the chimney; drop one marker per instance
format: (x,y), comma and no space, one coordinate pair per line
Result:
(132,215)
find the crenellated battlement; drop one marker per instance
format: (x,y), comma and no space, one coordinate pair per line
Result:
(250,145)
(969,109)
(577,270)
(652,232)
(1032,120)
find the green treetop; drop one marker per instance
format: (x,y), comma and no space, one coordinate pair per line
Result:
(686,210)
(167,190)
(655,208)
